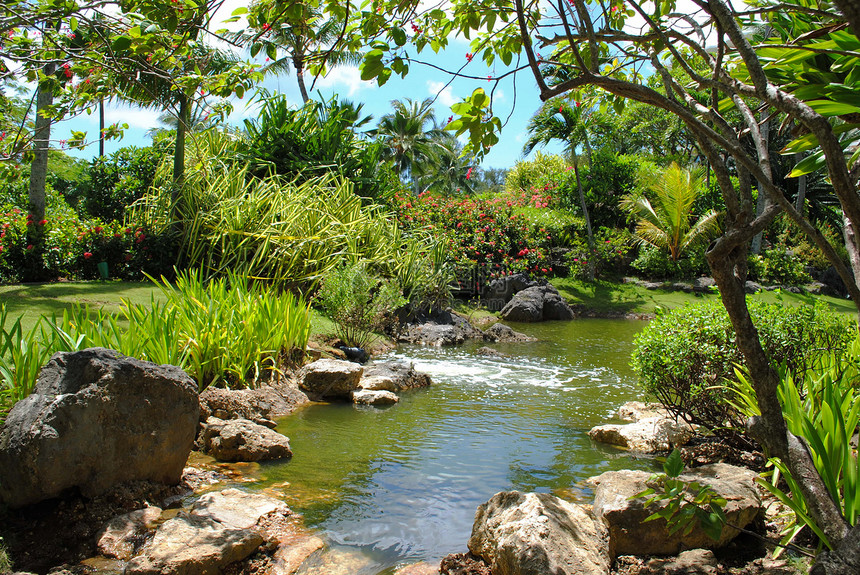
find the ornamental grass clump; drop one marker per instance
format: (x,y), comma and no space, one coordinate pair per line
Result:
(359,303)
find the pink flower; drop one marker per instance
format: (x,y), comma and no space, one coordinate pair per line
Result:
(30,247)
(469,174)
(87,255)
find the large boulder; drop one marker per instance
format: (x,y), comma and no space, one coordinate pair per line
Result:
(537,303)
(330,378)
(634,411)
(536,534)
(376,398)
(242,440)
(623,513)
(394,376)
(96,419)
(445,328)
(649,435)
(501,290)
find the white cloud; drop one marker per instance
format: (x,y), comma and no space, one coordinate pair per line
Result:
(345,80)
(442,93)
(134,117)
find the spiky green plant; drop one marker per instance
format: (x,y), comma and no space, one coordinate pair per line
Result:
(664,214)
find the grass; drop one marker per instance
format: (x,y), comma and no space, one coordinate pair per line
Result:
(604,297)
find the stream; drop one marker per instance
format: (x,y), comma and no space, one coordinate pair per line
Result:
(397,485)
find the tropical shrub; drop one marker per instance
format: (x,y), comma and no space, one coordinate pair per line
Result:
(822,406)
(314,141)
(544,172)
(683,357)
(116,182)
(655,263)
(610,257)
(359,303)
(605,181)
(778,266)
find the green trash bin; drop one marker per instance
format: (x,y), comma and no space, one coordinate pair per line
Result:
(103,270)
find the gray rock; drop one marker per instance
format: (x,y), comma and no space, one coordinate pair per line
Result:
(121,537)
(692,562)
(490,352)
(537,303)
(332,378)
(634,411)
(682,286)
(238,509)
(96,419)
(242,440)
(394,376)
(752,287)
(260,405)
(439,335)
(505,287)
(704,284)
(615,505)
(536,534)
(502,333)
(647,435)
(369,397)
(652,285)
(525,306)
(193,545)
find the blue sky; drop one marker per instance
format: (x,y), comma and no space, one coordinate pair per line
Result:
(516,97)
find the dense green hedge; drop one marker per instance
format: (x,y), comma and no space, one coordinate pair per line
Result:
(683,357)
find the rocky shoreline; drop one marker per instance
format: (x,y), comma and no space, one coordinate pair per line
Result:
(201,523)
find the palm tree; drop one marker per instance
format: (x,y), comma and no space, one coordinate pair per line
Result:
(446,170)
(665,219)
(411,136)
(309,42)
(558,120)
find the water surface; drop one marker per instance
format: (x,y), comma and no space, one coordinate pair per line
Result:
(401,484)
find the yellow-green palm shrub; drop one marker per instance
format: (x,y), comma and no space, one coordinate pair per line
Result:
(664,213)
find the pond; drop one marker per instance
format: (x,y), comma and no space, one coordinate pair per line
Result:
(401,484)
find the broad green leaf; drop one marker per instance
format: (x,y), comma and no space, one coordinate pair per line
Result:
(674,465)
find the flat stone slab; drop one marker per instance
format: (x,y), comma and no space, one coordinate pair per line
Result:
(368,397)
(237,509)
(121,537)
(648,435)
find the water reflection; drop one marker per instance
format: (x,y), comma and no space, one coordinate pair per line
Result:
(402,484)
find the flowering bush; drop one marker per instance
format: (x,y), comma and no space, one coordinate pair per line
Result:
(611,254)
(74,248)
(498,235)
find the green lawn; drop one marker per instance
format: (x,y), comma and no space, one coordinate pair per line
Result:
(606,296)
(32,300)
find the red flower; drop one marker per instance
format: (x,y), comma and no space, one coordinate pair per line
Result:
(469,174)
(30,247)
(87,255)
(469,56)
(43,222)
(98,229)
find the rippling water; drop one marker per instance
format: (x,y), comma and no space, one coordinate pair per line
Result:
(401,484)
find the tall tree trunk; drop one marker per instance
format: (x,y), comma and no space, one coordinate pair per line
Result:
(35,269)
(592,250)
(299,65)
(763,199)
(101,128)
(179,150)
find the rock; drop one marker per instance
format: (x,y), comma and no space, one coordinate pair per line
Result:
(242,440)
(692,562)
(682,286)
(193,545)
(463,564)
(835,286)
(624,516)
(355,354)
(96,419)
(422,568)
(238,509)
(634,411)
(751,287)
(537,303)
(432,334)
(704,284)
(501,290)
(648,435)
(292,552)
(369,397)
(330,378)
(121,537)
(394,376)
(260,405)
(652,285)
(536,533)
(501,333)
